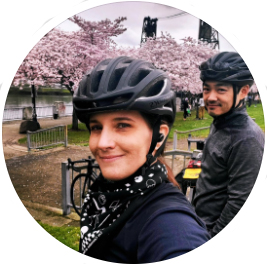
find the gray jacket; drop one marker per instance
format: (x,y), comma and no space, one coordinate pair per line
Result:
(230,165)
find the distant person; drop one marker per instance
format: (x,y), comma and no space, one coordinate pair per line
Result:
(233,151)
(186,105)
(249,100)
(256,100)
(189,110)
(201,108)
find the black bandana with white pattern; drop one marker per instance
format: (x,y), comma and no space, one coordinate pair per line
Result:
(108,205)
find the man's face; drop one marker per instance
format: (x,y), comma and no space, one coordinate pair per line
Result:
(218,97)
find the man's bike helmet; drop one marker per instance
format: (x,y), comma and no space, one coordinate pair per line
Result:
(125,83)
(227,67)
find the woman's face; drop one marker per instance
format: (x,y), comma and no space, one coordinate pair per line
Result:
(120,142)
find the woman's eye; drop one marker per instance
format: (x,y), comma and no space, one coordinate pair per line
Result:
(123,125)
(95,128)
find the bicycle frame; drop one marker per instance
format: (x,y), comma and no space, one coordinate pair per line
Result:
(83,180)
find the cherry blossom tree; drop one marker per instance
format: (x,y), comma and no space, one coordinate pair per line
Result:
(63,57)
(181,61)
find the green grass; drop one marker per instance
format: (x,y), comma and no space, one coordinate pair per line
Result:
(78,137)
(75,137)
(193,123)
(22,140)
(190,123)
(69,236)
(81,137)
(257,113)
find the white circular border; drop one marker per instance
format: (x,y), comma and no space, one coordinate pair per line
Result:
(23,23)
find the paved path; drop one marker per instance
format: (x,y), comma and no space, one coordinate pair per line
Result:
(39,187)
(36,175)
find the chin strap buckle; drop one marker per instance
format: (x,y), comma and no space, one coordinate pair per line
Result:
(150,159)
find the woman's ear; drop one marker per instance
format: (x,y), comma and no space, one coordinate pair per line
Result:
(164,131)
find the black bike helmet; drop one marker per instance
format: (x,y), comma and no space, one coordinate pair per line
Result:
(125,83)
(227,67)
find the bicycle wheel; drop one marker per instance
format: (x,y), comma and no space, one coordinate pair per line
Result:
(79,189)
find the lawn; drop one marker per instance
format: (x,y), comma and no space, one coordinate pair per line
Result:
(81,136)
(69,236)
(193,123)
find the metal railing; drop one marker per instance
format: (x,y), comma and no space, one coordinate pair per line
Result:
(177,152)
(68,174)
(47,137)
(13,114)
(184,150)
(16,113)
(193,135)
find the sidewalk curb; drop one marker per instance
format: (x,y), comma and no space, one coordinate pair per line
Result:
(37,206)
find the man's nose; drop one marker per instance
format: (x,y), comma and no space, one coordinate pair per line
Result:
(212,96)
(106,139)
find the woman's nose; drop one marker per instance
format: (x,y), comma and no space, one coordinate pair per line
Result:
(106,139)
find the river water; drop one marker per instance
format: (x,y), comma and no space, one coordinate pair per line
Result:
(22,100)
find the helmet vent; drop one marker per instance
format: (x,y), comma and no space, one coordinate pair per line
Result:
(154,89)
(95,81)
(138,76)
(114,100)
(115,78)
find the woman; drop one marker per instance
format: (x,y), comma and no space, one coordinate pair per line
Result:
(134,212)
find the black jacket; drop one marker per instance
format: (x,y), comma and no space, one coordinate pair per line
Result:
(164,227)
(230,165)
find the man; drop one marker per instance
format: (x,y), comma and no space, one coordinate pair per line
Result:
(233,150)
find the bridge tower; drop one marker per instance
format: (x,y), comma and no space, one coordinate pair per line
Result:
(149,28)
(209,35)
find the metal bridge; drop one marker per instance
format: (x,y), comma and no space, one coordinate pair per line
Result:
(206,33)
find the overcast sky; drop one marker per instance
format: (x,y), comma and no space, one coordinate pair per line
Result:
(179,27)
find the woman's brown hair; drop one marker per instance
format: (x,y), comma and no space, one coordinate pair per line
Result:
(150,120)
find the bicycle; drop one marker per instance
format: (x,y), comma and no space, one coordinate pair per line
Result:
(189,175)
(82,182)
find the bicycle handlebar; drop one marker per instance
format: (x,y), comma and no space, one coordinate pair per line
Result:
(90,164)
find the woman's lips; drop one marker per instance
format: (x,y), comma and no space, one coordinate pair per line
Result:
(110,158)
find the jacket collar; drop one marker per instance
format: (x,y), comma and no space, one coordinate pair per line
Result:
(230,118)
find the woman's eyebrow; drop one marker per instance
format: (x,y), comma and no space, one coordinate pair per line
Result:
(115,119)
(93,121)
(123,119)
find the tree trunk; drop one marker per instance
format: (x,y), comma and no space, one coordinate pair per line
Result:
(74,120)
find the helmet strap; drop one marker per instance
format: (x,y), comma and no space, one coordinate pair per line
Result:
(155,135)
(150,159)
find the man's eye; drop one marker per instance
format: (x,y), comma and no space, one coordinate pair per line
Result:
(222,90)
